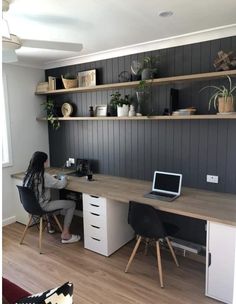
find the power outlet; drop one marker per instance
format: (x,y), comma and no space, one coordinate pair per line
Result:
(72,161)
(212,179)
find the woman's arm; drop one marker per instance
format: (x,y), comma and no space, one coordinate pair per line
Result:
(52,182)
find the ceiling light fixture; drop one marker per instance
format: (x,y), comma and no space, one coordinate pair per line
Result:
(13,43)
(166,14)
(5,5)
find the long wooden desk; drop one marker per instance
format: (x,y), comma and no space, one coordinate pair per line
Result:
(196,203)
(218,209)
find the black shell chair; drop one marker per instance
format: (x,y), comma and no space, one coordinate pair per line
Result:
(145,221)
(31,205)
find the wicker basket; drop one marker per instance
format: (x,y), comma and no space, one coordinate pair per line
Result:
(69,83)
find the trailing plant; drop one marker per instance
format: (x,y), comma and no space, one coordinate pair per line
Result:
(220,91)
(49,107)
(144,86)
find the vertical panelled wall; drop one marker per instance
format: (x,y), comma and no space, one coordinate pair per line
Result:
(136,148)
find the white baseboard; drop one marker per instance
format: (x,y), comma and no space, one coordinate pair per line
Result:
(8,221)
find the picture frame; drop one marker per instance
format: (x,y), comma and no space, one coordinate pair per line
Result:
(101,111)
(87,78)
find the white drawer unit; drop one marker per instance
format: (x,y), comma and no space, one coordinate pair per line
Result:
(221,262)
(106,226)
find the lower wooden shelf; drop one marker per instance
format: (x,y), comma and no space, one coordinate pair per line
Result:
(182,117)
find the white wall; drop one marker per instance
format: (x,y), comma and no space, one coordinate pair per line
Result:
(27,134)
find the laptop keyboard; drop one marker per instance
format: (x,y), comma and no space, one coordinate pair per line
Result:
(162,194)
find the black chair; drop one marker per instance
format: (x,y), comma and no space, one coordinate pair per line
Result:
(145,221)
(31,205)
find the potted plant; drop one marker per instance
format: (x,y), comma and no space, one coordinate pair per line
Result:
(69,81)
(222,98)
(119,105)
(149,67)
(122,104)
(115,98)
(142,93)
(49,107)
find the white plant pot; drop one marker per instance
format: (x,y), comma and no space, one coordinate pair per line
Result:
(123,111)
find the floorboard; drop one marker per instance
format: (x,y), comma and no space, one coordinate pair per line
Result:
(99,279)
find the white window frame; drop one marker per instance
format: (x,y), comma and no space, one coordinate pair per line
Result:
(6,136)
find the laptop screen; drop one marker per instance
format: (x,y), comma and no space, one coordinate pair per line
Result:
(167,182)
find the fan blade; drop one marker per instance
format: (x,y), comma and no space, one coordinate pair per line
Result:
(52,45)
(9,56)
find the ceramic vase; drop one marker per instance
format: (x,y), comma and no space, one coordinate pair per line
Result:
(123,111)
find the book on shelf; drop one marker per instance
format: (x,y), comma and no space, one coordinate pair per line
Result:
(51,83)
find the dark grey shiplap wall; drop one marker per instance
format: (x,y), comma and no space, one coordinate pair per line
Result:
(136,148)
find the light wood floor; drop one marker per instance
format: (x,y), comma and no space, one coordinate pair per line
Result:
(99,279)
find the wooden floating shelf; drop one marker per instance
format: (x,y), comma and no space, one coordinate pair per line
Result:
(183,117)
(133,84)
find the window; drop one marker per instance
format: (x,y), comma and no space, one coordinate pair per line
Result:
(5,125)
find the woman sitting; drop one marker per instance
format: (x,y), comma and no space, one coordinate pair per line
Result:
(41,182)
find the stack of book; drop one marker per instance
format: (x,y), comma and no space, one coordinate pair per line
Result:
(42,87)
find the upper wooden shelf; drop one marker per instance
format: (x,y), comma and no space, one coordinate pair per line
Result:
(133,84)
(182,117)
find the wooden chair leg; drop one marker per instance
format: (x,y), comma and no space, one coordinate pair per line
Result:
(172,251)
(26,228)
(133,253)
(159,263)
(40,234)
(146,246)
(57,221)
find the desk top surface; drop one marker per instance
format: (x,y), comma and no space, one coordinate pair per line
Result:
(196,203)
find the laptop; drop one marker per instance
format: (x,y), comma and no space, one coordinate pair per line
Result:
(166,186)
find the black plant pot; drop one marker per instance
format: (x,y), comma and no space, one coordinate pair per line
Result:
(112,110)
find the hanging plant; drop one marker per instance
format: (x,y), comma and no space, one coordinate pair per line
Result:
(49,107)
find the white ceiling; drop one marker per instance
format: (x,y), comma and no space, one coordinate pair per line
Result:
(102,25)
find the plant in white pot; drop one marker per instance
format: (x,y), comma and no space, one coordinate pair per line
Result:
(222,98)
(123,106)
(119,105)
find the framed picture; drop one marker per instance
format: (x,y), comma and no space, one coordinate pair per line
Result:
(87,78)
(101,110)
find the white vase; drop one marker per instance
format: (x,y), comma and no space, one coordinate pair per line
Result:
(132,111)
(123,111)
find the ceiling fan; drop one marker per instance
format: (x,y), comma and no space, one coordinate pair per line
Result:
(11,42)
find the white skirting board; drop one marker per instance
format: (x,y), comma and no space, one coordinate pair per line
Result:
(8,221)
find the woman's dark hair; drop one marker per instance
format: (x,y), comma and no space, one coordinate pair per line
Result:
(35,172)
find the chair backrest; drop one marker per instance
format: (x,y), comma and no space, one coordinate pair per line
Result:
(29,201)
(145,221)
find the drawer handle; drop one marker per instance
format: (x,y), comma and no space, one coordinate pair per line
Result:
(209,259)
(94,205)
(95,227)
(94,196)
(94,214)
(95,239)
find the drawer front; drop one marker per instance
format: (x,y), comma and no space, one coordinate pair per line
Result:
(95,230)
(91,218)
(95,239)
(94,204)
